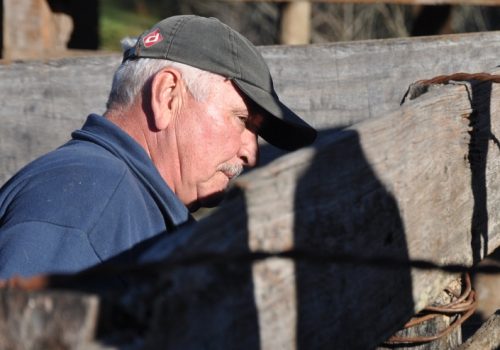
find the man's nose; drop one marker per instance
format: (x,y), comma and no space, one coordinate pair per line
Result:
(249,150)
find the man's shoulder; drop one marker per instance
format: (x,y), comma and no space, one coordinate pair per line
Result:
(64,185)
(75,161)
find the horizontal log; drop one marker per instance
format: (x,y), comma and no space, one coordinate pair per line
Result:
(337,85)
(359,209)
(44,101)
(331,85)
(47,319)
(410,186)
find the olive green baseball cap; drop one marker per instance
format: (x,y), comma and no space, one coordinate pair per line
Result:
(210,45)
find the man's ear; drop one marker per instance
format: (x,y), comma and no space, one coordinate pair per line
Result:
(164,88)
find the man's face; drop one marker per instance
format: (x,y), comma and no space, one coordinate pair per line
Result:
(216,139)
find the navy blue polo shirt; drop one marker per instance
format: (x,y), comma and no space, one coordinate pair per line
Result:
(95,197)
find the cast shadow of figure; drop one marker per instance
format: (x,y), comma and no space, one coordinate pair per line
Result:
(351,215)
(481,134)
(208,299)
(199,294)
(341,209)
(355,216)
(223,279)
(180,290)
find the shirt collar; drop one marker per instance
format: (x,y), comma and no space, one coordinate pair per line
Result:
(108,135)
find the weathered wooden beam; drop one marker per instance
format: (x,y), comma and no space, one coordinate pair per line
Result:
(356,212)
(47,319)
(43,101)
(332,86)
(339,84)
(399,187)
(415,185)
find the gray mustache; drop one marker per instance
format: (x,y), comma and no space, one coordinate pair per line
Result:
(233,170)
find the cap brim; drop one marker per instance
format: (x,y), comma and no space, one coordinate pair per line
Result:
(282,127)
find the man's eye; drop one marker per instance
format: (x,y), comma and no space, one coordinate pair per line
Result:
(243,118)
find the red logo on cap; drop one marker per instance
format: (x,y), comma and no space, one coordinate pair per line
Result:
(152,38)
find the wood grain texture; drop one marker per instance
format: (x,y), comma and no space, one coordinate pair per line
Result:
(331,86)
(418,183)
(344,83)
(44,101)
(46,320)
(398,187)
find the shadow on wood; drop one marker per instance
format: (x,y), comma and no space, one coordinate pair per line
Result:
(363,221)
(481,134)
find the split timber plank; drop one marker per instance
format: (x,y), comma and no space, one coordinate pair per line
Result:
(44,101)
(398,187)
(337,85)
(47,320)
(331,85)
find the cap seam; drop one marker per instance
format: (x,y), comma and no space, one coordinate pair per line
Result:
(174,31)
(234,51)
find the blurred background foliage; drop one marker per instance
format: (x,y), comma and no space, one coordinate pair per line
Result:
(118,19)
(260,21)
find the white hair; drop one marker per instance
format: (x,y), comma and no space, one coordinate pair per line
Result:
(132,75)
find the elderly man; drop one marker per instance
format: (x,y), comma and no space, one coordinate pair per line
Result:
(182,120)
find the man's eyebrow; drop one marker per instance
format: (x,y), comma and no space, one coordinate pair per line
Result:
(240,110)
